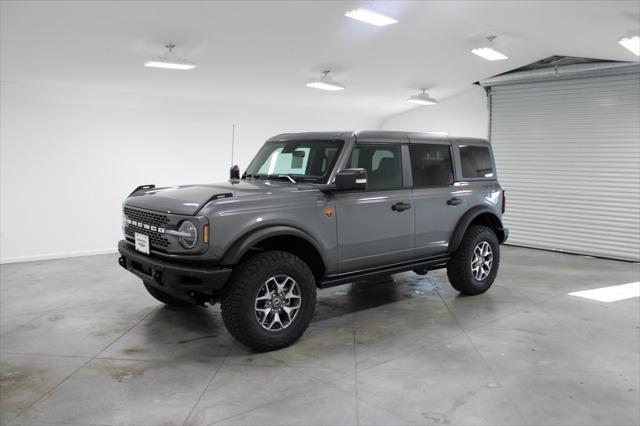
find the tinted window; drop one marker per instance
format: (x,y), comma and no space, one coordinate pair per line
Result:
(382,162)
(431,165)
(476,162)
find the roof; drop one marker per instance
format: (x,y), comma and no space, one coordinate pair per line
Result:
(375,135)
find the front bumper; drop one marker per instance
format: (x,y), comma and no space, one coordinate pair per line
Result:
(191,283)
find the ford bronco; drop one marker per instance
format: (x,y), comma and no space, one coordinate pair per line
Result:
(315,210)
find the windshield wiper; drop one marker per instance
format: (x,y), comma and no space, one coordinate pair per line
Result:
(308,179)
(292,180)
(256,176)
(283,177)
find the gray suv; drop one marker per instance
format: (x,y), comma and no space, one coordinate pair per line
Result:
(315,210)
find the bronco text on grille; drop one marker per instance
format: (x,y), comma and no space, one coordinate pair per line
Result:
(147,223)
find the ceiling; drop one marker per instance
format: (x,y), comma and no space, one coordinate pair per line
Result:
(263,52)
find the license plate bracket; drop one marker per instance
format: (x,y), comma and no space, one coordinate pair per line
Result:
(142,243)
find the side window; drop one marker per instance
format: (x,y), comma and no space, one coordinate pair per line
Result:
(476,162)
(382,162)
(431,165)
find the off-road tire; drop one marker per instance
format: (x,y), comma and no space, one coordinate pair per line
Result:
(238,302)
(459,267)
(165,298)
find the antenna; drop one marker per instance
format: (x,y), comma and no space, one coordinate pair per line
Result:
(233,140)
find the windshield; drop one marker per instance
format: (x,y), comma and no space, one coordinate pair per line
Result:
(296,161)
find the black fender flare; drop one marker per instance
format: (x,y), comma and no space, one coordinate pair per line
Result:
(465,221)
(238,249)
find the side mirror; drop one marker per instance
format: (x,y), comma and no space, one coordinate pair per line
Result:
(234,173)
(351,179)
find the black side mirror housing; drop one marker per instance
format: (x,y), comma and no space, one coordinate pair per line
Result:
(351,179)
(234,173)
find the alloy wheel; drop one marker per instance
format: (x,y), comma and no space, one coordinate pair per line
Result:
(482,260)
(277,302)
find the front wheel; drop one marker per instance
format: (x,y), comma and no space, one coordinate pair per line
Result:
(270,300)
(474,266)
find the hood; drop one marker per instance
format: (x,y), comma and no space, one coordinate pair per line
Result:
(189,199)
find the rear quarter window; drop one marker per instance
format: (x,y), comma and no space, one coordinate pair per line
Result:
(476,162)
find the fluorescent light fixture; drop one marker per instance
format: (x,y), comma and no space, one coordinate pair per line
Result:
(168,62)
(370,17)
(422,99)
(325,83)
(612,293)
(488,52)
(165,63)
(632,43)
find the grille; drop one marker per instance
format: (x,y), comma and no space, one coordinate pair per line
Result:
(156,239)
(150,218)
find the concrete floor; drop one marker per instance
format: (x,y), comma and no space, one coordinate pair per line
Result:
(81,342)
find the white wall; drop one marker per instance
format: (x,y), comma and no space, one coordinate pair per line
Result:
(68,158)
(464,114)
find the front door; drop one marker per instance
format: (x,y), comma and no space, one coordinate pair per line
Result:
(376,226)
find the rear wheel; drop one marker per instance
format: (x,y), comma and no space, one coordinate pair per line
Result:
(474,266)
(270,300)
(165,298)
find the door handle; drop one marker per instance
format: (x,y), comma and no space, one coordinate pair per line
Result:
(398,207)
(454,201)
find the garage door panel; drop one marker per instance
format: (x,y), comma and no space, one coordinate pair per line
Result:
(568,155)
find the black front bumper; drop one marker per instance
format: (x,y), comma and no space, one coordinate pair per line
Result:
(192,283)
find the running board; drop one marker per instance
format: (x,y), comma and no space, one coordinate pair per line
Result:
(428,264)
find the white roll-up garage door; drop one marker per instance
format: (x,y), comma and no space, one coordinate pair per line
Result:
(568,155)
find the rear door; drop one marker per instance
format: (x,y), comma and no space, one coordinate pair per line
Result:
(439,203)
(376,226)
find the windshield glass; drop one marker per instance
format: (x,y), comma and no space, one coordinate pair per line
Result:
(299,161)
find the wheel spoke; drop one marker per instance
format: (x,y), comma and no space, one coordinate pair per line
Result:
(264,318)
(290,294)
(267,296)
(280,285)
(276,319)
(270,286)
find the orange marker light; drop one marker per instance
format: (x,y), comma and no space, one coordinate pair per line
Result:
(205,234)
(328,212)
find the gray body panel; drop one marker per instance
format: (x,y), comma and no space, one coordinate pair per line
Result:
(369,232)
(364,232)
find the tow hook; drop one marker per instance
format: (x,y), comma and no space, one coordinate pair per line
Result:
(122,261)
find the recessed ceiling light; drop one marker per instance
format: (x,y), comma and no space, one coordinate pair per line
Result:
(325,83)
(169,62)
(422,99)
(488,52)
(370,17)
(632,43)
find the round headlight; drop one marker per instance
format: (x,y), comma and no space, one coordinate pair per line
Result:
(188,235)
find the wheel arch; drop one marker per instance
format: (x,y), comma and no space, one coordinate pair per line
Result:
(285,238)
(479,215)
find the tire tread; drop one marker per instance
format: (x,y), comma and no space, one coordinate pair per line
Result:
(458,268)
